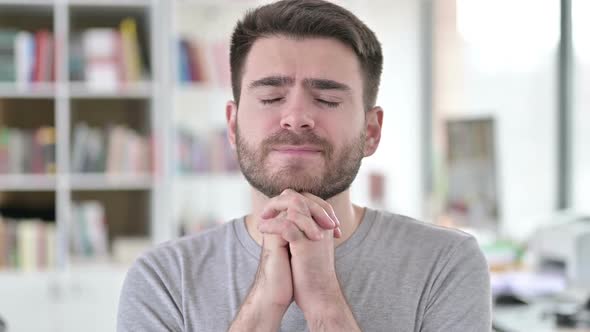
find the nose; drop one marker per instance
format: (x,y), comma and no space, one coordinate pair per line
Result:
(297,116)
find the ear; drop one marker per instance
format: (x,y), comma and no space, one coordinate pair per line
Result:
(373,123)
(231,116)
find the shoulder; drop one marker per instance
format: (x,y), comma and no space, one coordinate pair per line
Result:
(409,239)
(168,261)
(176,254)
(407,231)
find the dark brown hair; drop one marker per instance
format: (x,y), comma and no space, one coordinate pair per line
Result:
(303,19)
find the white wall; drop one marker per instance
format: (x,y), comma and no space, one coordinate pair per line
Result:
(524,106)
(581,140)
(397,25)
(506,76)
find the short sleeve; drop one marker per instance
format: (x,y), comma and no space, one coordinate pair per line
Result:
(151,299)
(460,298)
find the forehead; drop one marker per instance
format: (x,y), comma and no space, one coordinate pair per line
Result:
(304,58)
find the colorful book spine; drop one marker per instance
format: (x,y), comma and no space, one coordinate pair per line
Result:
(27,151)
(114,150)
(88,235)
(27,244)
(132,62)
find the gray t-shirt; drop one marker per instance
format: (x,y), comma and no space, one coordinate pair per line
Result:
(397,274)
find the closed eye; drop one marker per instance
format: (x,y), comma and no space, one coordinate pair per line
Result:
(332,104)
(270,101)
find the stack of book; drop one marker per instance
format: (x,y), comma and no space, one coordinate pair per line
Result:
(198,155)
(116,149)
(203,62)
(27,57)
(106,58)
(27,244)
(88,230)
(27,151)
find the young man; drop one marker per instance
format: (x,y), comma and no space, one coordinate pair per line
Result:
(305,76)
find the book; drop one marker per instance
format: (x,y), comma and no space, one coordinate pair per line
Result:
(131,56)
(25,58)
(27,151)
(184,69)
(46,138)
(3,244)
(101,58)
(203,62)
(27,244)
(7,55)
(4,150)
(116,149)
(16,151)
(89,230)
(76,60)
(44,56)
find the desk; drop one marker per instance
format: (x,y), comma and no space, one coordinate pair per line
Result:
(529,318)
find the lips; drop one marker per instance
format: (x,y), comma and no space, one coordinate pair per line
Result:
(297,150)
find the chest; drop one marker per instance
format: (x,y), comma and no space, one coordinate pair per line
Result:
(382,297)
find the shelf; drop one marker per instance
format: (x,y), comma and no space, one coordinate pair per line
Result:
(111,3)
(196,87)
(14,274)
(204,177)
(27,182)
(111,181)
(31,90)
(140,90)
(28,3)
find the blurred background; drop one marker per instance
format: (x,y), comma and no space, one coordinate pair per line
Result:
(113,139)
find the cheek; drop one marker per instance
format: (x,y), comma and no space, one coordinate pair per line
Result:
(340,128)
(255,127)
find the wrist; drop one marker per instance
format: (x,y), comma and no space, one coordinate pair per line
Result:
(266,302)
(258,313)
(323,307)
(333,316)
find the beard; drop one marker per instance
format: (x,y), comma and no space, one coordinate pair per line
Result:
(339,171)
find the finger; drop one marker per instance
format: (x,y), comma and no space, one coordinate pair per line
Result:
(287,199)
(291,233)
(286,229)
(325,205)
(272,226)
(337,232)
(290,200)
(303,223)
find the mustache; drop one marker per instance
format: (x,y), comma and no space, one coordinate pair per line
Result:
(286,137)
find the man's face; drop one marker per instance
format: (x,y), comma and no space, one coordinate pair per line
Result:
(301,123)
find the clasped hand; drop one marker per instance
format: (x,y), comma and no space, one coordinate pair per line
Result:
(300,228)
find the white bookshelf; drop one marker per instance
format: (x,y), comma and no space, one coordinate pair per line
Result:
(96,182)
(32,91)
(139,90)
(20,182)
(71,292)
(199,107)
(66,96)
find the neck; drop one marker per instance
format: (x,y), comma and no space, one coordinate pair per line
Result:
(349,215)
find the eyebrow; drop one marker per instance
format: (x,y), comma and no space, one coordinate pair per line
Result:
(312,83)
(274,81)
(324,84)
